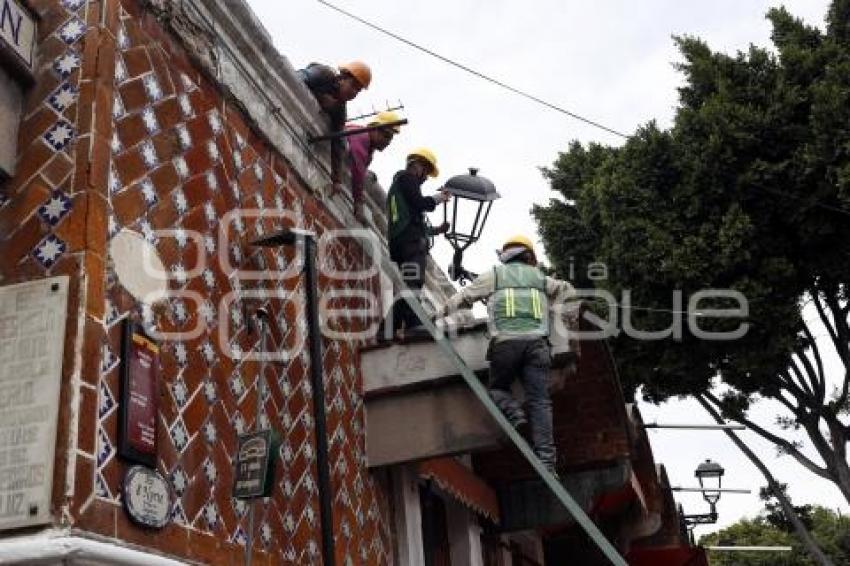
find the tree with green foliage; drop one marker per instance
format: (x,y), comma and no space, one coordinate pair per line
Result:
(831,530)
(749,190)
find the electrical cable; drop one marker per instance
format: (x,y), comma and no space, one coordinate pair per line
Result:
(472,71)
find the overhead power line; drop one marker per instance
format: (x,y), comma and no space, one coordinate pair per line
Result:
(472,71)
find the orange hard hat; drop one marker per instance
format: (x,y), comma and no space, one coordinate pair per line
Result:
(360,71)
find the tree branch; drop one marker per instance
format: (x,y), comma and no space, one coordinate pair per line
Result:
(819,376)
(805,537)
(788,447)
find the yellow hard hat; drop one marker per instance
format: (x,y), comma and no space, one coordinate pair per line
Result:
(386,117)
(518,240)
(427,155)
(360,71)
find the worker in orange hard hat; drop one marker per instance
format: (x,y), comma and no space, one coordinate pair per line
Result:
(361,148)
(409,231)
(332,90)
(518,295)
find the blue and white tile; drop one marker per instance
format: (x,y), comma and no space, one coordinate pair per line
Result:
(101,489)
(289,523)
(180,275)
(115,144)
(239,537)
(123,39)
(152,87)
(235,191)
(210,514)
(113,226)
(179,435)
(188,84)
(240,506)
(60,135)
(73,5)
(214,119)
(106,403)
(104,448)
(181,354)
(210,392)
(183,136)
(149,192)
(213,151)
(236,385)
(55,209)
(236,253)
(180,202)
(209,279)
(149,120)
(258,171)
(72,30)
(286,452)
(65,64)
(237,160)
(121,73)
(149,155)
(108,359)
(278,202)
(178,515)
(147,231)
(49,250)
(180,392)
(113,180)
(186,106)
(179,481)
(111,314)
(181,167)
(266,534)
(209,470)
(210,432)
(212,181)
(118,109)
(63,97)
(310,515)
(208,352)
(210,213)
(238,422)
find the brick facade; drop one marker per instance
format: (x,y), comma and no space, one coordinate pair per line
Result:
(122,130)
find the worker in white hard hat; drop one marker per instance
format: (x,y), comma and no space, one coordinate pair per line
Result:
(518,295)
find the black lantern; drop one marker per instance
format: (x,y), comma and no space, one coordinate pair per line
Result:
(710,476)
(473,198)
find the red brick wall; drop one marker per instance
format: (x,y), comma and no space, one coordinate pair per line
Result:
(154,146)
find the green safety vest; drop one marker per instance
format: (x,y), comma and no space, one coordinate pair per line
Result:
(519,305)
(399,214)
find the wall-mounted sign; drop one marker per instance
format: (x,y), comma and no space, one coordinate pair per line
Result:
(254,465)
(139,405)
(147,497)
(32,335)
(17,34)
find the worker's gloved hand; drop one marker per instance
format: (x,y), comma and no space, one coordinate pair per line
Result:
(443,228)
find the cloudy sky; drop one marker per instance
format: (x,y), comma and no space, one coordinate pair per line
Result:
(611,61)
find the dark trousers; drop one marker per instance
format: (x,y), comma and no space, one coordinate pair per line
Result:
(529,360)
(411,257)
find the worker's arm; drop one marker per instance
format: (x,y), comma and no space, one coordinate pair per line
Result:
(411,188)
(481,288)
(559,291)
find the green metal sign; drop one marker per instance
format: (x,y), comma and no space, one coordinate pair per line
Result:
(255,458)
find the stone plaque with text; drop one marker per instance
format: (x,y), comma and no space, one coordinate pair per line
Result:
(32,333)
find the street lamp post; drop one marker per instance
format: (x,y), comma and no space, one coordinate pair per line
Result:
(473,198)
(710,477)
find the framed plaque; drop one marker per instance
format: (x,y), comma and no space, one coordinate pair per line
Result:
(147,497)
(139,405)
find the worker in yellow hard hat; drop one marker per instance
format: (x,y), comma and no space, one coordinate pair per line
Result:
(518,296)
(361,148)
(332,90)
(409,231)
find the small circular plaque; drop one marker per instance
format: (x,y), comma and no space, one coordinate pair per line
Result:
(138,266)
(147,497)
